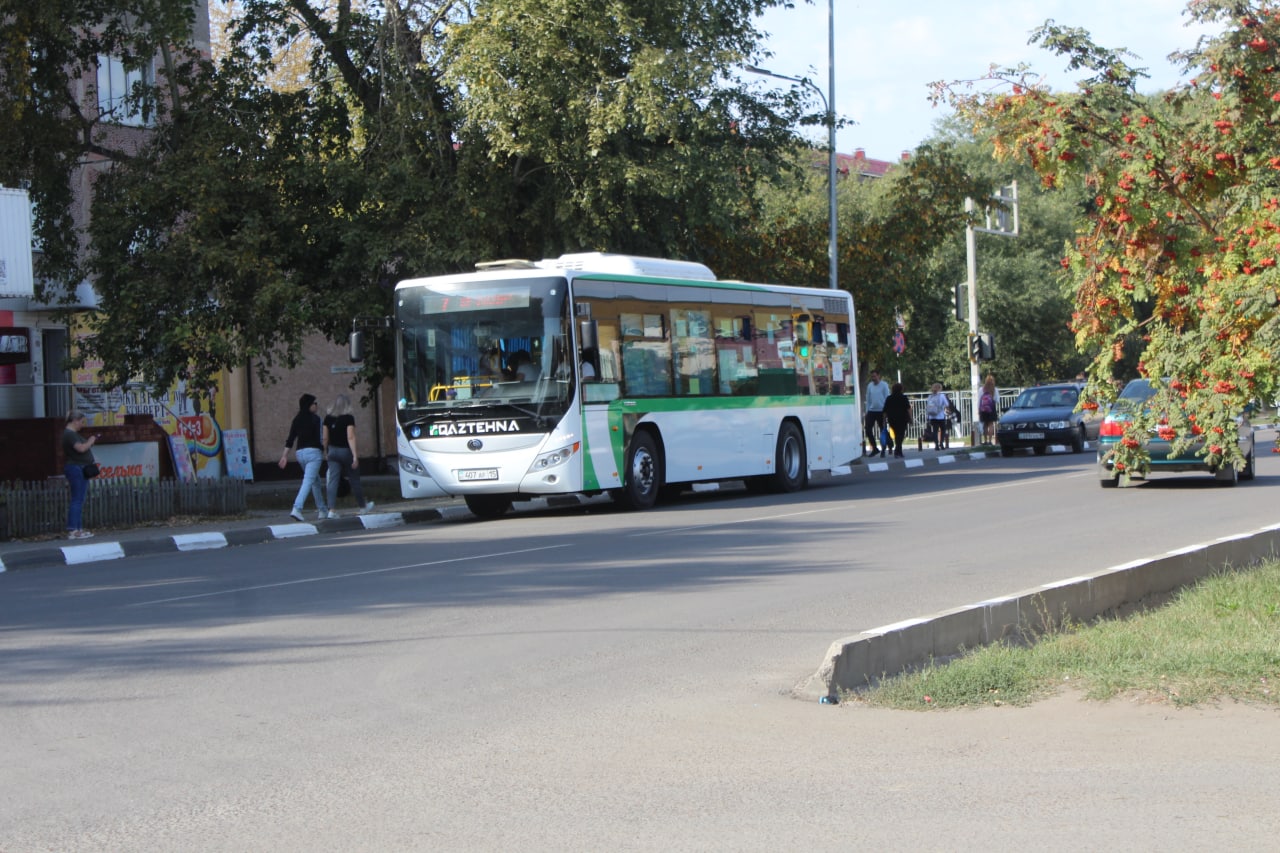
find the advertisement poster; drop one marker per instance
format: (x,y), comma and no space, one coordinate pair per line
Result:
(182,467)
(127,461)
(235,444)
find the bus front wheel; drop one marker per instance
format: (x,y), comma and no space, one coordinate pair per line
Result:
(791,467)
(642,479)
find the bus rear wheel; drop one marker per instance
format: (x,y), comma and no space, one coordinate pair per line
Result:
(642,478)
(791,467)
(488,506)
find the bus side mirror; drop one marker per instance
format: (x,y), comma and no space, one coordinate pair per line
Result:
(356,347)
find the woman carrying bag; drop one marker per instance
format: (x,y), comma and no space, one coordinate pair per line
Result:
(78,452)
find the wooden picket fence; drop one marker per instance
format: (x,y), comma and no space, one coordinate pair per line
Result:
(34,508)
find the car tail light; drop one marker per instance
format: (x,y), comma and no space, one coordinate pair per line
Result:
(1111,428)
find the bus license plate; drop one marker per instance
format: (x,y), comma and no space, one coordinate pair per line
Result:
(478,474)
(1030,435)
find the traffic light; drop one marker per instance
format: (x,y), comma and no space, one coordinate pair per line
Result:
(982,347)
(988,348)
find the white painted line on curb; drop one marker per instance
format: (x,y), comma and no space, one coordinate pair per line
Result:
(878,466)
(199,541)
(841,470)
(382,519)
(946,459)
(75,554)
(896,626)
(288,531)
(913,463)
(1067,582)
(706,487)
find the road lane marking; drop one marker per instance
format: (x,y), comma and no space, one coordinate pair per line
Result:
(343,575)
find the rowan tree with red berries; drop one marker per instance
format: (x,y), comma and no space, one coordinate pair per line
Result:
(1176,260)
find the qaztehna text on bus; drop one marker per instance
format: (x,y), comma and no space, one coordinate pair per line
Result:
(635,376)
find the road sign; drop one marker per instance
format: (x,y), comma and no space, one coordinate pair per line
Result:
(899,342)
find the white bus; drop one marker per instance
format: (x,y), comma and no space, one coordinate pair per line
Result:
(635,376)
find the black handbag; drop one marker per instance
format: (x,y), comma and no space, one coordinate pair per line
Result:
(91,470)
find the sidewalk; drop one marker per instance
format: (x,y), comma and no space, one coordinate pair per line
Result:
(258,526)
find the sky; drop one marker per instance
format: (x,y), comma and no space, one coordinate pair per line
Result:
(889,51)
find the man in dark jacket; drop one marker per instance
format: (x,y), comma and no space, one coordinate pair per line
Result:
(897,411)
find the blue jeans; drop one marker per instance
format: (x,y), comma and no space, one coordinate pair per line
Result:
(74,472)
(310,459)
(340,460)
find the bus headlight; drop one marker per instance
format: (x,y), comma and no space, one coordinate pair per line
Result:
(412,466)
(555,457)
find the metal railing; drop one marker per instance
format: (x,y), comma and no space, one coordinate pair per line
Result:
(964,427)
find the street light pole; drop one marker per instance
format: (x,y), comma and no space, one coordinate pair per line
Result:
(831,143)
(833,270)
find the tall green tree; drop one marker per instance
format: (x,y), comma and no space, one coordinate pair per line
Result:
(432,134)
(1020,299)
(1177,262)
(888,231)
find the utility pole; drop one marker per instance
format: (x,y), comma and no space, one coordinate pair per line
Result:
(829,108)
(1004,222)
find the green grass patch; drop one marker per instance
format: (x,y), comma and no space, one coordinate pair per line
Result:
(1217,640)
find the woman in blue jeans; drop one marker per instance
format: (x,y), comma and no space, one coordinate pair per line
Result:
(339,436)
(305,430)
(78,452)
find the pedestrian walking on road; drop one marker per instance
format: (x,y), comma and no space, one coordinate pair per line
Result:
(78,452)
(306,431)
(897,411)
(339,435)
(877,392)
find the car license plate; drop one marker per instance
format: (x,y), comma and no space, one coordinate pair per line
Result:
(478,474)
(1028,436)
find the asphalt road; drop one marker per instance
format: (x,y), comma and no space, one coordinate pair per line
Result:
(589,679)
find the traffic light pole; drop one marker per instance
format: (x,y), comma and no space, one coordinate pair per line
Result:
(971,265)
(1005,225)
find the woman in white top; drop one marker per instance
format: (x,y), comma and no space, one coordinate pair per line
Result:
(935,410)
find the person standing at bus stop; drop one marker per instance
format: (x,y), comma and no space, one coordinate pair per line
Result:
(78,452)
(305,430)
(989,410)
(877,393)
(936,410)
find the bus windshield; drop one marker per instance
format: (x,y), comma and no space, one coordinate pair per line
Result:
(483,345)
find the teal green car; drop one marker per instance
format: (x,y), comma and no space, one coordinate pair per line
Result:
(1133,399)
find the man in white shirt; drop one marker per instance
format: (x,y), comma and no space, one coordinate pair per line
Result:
(877,393)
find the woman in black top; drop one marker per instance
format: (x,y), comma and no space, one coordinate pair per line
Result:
(305,430)
(78,452)
(344,456)
(897,411)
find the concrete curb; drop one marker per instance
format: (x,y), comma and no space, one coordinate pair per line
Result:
(854,662)
(98,551)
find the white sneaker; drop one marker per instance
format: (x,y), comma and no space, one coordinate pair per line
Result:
(368,506)
(296,515)
(333,514)
(322,515)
